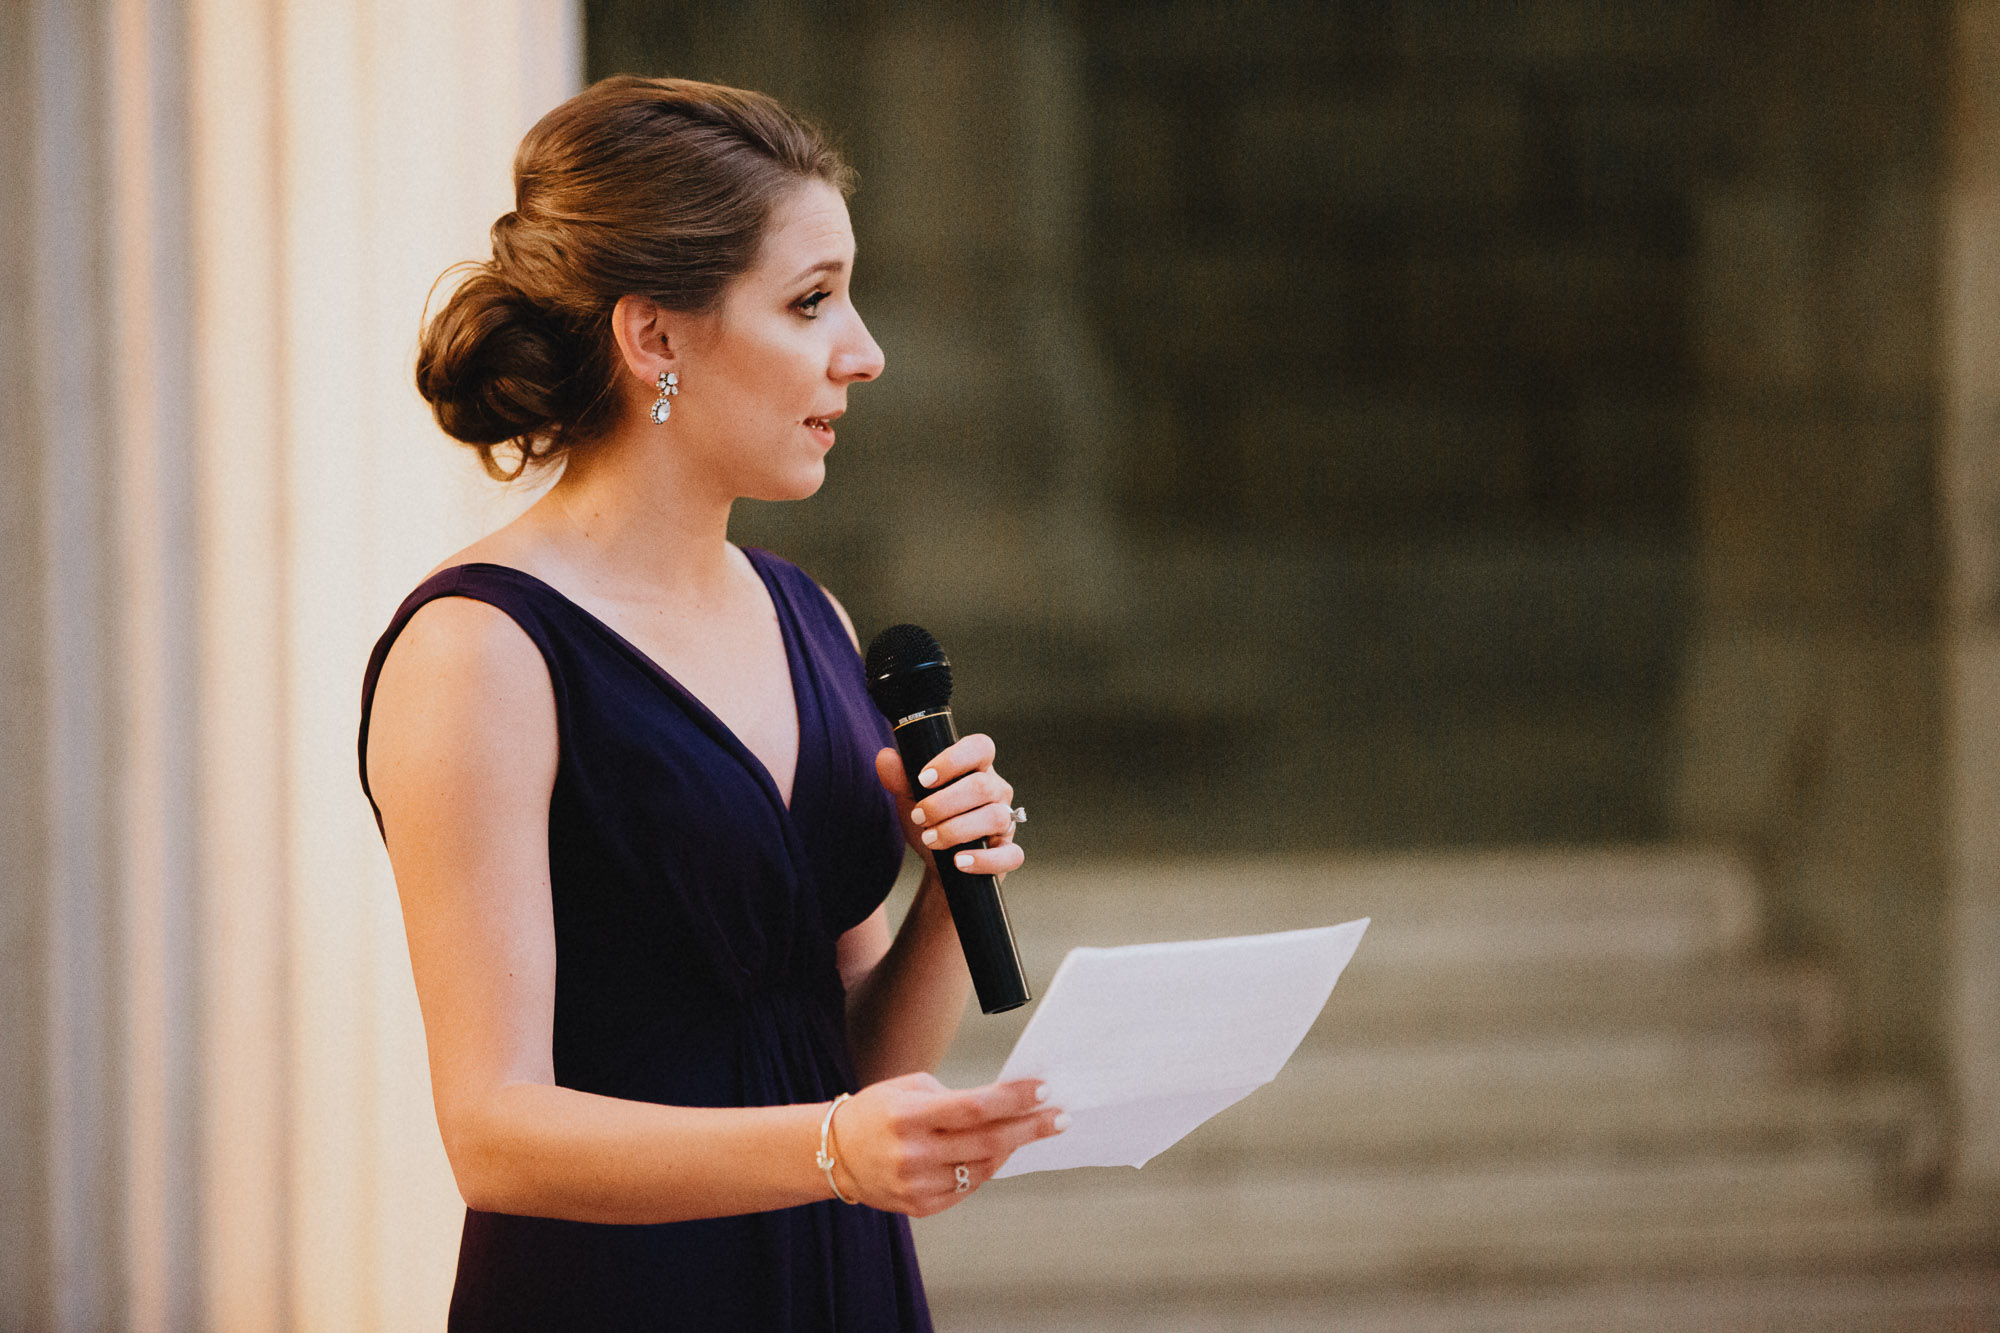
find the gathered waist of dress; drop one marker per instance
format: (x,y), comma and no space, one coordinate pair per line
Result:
(760,1047)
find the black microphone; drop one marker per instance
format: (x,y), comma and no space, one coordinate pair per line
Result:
(909,678)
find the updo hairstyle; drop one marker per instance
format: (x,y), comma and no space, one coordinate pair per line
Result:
(634,187)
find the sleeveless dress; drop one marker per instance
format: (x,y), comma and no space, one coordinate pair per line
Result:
(695,924)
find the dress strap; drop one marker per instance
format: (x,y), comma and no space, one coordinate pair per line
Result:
(812,608)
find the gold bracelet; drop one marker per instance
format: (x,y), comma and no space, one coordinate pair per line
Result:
(824,1158)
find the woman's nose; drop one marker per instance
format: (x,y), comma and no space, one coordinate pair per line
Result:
(859,358)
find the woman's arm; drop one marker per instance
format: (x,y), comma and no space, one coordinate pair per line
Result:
(462,760)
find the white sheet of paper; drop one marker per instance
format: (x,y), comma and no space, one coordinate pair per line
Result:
(1142,1043)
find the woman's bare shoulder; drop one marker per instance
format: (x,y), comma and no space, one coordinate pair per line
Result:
(463,695)
(460,637)
(463,639)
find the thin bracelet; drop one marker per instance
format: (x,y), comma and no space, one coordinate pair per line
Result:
(824,1158)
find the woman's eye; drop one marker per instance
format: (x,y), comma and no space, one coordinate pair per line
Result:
(810,306)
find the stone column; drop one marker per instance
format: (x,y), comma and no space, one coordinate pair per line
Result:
(1969,497)
(1812,701)
(220,222)
(244,1135)
(23,854)
(146,359)
(348,151)
(62,1207)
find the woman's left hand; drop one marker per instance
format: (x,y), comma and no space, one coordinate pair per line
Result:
(962,800)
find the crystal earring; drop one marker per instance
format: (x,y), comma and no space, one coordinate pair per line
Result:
(670,384)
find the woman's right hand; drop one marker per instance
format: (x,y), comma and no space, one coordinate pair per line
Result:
(898,1143)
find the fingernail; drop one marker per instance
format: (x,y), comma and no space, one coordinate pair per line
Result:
(1062,1120)
(927,777)
(930,836)
(963,860)
(1041,1092)
(917,815)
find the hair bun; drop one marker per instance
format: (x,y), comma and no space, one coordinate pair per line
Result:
(494,367)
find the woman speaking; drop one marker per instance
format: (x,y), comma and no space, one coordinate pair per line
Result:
(641,811)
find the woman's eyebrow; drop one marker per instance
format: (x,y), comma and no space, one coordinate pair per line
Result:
(823,266)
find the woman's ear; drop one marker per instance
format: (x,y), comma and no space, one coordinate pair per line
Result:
(645,336)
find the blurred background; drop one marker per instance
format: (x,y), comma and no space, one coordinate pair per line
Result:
(1527,473)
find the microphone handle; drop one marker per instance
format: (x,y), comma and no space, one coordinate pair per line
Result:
(977,910)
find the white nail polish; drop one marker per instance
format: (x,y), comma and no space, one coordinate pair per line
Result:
(1041,1092)
(1062,1120)
(927,777)
(930,837)
(963,860)
(917,815)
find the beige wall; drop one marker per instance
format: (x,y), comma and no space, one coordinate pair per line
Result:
(231,215)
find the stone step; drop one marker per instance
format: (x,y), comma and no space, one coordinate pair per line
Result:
(1797,1007)
(1585,944)
(1623,905)
(1541,1070)
(1797,1010)
(1421,1108)
(1470,1075)
(1868,1298)
(1045,1238)
(1320,1114)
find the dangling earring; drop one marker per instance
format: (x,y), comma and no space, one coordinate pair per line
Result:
(670,384)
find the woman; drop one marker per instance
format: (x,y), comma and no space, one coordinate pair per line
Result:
(641,813)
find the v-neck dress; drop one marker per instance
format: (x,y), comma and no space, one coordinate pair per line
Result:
(695,924)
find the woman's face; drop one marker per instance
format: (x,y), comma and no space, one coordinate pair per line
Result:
(763,379)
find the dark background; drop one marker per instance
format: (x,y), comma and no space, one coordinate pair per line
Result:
(1314,427)
(1390,389)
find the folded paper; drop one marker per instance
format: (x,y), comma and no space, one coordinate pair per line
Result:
(1142,1043)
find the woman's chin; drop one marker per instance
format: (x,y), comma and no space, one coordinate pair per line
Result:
(801,483)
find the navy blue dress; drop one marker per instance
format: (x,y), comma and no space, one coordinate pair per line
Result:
(695,923)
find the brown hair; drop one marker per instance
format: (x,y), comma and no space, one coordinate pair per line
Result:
(646,187)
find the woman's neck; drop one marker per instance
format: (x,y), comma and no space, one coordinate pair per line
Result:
(629,521)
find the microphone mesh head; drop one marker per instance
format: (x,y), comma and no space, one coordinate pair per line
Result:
(907,672)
